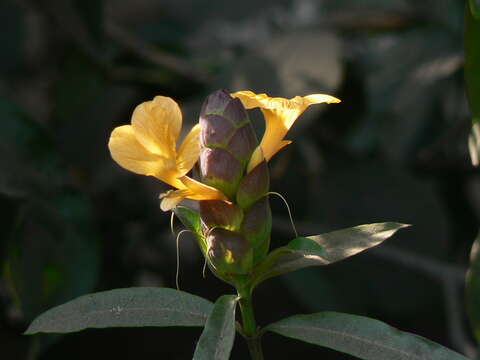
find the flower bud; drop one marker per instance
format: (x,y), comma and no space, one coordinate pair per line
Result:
(229,253)
(227,141)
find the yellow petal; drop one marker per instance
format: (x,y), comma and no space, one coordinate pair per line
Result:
(172,198)
(200,191)
(131,155)
(279,114)
(189,151)
(157,125)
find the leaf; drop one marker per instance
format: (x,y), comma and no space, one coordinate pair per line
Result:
(472,288)
(191,220)
(323,249)
(472,74)
(129,307)
(474,142)
(340,244)
(360,336)
(475,8)
(217,338)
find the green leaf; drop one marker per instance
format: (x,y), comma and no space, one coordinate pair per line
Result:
(472,74)
(323,249)
(130,307)
(475,8)
(474,142)
(472,288)
(360,336)
(191,220)
(472,57)
(340,244)
(216,340)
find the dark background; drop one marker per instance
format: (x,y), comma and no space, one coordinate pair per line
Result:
(395,149)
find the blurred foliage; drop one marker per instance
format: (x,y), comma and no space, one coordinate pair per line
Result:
(472,75)
(394,150)
(473,289)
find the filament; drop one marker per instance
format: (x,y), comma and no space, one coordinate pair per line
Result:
(288,209)
(172,218)
(178,257)
(204,268)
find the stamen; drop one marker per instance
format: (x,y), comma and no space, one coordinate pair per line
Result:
(288,209)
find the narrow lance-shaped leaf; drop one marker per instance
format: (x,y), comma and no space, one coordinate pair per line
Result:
(472,288)
(129,307)
(217,338)
(472,74)
(362,337)
(323,249)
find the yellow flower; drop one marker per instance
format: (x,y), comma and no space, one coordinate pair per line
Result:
(148,147)
(279,114)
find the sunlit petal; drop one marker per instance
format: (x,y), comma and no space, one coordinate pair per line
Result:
(131,155)
(172,198)
(189,151)
(157,125)
(320,98)
(201,191)
(256,158)
(279,114)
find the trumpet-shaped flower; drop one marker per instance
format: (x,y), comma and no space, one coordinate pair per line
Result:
(149,147)
(279,114)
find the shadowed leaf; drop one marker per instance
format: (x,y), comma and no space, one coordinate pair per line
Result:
(217,338)
(472,288)
(472,74)
(362,337)
(323,249)
(129,307)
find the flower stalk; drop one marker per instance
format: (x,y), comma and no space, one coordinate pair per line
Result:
(249,326)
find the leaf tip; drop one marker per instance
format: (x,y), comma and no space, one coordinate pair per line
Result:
(30,331)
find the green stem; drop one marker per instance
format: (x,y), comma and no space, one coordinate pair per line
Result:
(249,325)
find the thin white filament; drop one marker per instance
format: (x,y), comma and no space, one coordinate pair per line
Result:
(204,270)
(288,209)
(178,257)
(172,218)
